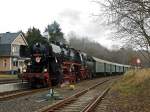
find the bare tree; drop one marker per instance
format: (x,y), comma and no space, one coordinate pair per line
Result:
(131,19)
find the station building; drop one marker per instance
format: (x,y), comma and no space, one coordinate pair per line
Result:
(11,45)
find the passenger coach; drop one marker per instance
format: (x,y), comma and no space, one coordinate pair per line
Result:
(103,67)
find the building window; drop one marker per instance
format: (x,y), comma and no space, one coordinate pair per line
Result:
(15,62)
(5,63)
(14,49)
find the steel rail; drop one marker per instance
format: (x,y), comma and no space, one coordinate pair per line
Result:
(51,108)
(96,100)
(20,94)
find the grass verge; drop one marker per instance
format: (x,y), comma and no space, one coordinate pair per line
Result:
(133,82)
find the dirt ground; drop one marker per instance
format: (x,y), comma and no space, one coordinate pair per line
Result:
(130,94)
(121,103)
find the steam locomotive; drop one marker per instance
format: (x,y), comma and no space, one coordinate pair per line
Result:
(55,64)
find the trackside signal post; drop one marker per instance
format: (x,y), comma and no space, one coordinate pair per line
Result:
(136,62)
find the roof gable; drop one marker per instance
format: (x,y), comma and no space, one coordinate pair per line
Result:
(20,40)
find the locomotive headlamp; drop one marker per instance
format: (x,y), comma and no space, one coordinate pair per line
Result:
(38,59)
(24,70)
(29,64)
(45,70)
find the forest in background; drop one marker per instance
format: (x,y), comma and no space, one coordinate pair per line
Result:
(123,55)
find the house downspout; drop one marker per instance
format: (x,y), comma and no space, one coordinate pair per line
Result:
(10,57)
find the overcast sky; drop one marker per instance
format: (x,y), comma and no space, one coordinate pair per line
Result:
(72,15)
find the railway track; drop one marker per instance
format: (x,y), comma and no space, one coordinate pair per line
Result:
(83,101)
(19,93)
